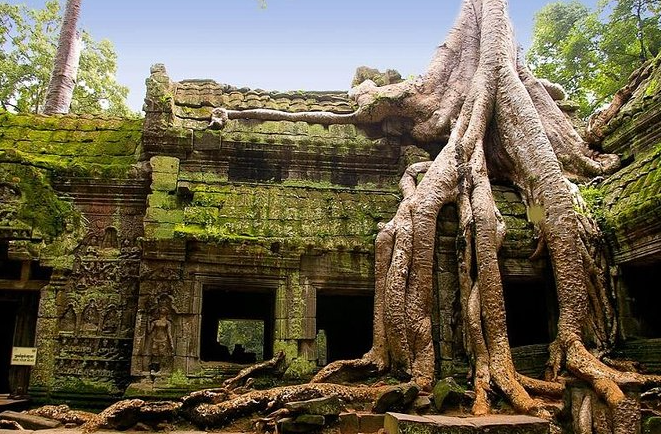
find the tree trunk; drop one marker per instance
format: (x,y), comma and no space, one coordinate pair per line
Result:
(499,122)
(65,68)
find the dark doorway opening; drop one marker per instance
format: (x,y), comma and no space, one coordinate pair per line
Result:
(644,298)
(9,269)
(7,325)
(234,322)
(347,323)
(528,312)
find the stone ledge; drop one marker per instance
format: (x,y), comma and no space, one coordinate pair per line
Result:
(396,423)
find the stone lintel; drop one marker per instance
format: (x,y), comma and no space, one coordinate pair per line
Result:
(396,423)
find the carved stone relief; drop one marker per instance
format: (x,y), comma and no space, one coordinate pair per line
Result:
(159,341)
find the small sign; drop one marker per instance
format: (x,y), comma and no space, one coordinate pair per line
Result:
(23,356)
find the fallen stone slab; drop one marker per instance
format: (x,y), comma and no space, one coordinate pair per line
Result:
(396,423)
(29,421)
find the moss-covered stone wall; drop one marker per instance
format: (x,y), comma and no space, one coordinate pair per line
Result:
(73,202)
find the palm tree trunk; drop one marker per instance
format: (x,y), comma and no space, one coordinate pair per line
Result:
(65,69)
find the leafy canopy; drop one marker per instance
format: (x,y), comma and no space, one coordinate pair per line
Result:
(593,52)
(28,42)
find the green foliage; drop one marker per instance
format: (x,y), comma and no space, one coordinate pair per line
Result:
(249,333)
(593,52)
(28,41)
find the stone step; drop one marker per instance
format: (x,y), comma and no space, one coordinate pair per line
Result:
(396,423)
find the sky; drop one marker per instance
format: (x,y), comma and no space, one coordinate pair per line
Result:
(289,45)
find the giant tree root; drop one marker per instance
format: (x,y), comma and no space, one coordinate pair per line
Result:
(215,408)
(499,122)
(213,415)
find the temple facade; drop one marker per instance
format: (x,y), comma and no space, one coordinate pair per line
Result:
(150,257)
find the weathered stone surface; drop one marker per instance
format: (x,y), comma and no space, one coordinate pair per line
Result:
(290,425)
(327,406)
(398,398)
(447,393)
(388,399)
(29,421)
(410,393)
(349,423)
(369,423)
(311,419)
(422,404)
(396,423)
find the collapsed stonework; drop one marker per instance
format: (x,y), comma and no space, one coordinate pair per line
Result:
(126,245)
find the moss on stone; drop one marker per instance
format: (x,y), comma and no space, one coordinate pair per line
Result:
(39,208)
(86,386)
(161,181)
(164,164)
(71,145)
(633,195)
(324,216)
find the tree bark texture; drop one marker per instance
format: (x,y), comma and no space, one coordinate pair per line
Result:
(499,121)
(65,69)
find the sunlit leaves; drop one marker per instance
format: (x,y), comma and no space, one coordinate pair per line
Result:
(592,53)
(28,39)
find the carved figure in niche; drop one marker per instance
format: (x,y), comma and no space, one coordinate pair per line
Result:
(110,240)
(111,320)
(159,338)
(90,317)
(68,319)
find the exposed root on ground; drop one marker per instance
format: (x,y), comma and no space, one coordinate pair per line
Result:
(276,365)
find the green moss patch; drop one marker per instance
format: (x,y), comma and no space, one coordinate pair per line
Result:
(71,145)
(632,197)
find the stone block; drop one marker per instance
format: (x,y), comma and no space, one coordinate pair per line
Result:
(369,423)
(29,421)
(348,423)
(447,393)
(396,423)
(161,199)
(311,419)
(159,230)
(164,164)
(164,216)
(290,425)
(422,404)
(161,181)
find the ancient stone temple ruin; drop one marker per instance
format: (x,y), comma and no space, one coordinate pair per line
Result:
(152,257)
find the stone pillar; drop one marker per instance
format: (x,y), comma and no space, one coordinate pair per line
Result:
(295,323)
(47,336)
